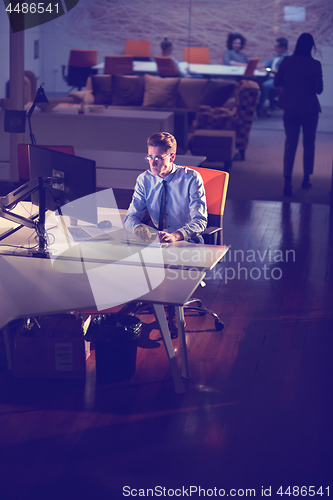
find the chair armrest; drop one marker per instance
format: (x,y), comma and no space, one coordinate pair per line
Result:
(212,230)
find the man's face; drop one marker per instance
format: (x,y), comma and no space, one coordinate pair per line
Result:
(280,49)
(163,166)
(237,44)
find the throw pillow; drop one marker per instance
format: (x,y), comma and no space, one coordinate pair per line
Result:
(102,88)
(217,93)
(160,92)
(190,91)
(127,90)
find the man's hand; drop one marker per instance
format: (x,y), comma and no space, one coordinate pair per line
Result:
(143,233)
(170,237)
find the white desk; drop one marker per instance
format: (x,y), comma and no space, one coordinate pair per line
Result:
(210,70)
(120,169)
(138,67)
(217,70)
(33,286)
(111,129)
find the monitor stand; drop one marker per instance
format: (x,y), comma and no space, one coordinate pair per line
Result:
(38,224)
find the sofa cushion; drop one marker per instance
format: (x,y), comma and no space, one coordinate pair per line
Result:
(102,88)
(190,91)
(160,92)
(127,90)
(217,93)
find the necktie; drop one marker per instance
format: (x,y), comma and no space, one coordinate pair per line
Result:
(162,206)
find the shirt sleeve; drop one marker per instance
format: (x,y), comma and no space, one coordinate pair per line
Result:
(138,206)
(197,209)
(279,77)
(226,57)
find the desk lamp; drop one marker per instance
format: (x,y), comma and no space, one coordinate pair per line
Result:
(40,97)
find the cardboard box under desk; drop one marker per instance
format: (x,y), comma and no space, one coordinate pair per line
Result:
(60,357)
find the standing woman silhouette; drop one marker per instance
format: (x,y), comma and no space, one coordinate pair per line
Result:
(300,77)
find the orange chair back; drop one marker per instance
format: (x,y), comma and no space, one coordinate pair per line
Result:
(82,58)
(216,186)
(251,66)
(197,55)
(138,48)
(118,65)
(166,66)
(23,157)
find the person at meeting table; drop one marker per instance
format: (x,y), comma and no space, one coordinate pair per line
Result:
(167,48)
(301,79)
(267,87)
(174,197)
(234,56)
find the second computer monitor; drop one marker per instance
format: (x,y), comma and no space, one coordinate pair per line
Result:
(77,179)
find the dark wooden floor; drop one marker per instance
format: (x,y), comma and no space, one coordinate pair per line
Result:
(257,411)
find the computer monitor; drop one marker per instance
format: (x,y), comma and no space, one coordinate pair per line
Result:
(77,180)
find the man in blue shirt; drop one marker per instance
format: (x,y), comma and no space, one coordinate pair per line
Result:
(174,197)
(183,215)
(267,86)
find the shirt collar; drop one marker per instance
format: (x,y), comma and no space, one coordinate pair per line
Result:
(169,177)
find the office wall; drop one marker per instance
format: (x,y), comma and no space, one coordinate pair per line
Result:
(29,38)
(4,52)
(106,24)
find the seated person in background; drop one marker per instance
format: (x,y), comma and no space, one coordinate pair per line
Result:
(174,197)
(233,55)
(166,47)
(267,87)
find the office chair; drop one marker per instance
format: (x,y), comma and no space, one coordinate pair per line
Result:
(216,186)
(251,66)
(80,67)
(118,65)
(166,66)
(139,49)
(23,157)
(196,55)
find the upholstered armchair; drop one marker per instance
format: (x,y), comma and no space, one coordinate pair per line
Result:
(236,114)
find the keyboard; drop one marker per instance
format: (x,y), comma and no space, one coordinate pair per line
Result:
(78,233)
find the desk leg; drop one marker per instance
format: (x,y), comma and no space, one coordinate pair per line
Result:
(162,322)
(182,342)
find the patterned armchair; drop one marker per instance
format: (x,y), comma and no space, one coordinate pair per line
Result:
(237,114)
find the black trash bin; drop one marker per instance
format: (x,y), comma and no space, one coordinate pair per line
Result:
(115,337)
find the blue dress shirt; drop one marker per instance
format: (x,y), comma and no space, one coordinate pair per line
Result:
(185,206)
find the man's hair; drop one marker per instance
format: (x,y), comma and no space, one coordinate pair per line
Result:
(282,41)
(234,36)
(165,44)
(163,140)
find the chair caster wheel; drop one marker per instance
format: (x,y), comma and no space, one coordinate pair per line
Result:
(219,325)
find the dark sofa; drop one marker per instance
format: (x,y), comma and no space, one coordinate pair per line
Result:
(182,96)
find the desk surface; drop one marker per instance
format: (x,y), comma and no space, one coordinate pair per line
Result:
(180,255)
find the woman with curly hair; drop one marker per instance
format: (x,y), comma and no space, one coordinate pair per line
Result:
(233,55)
